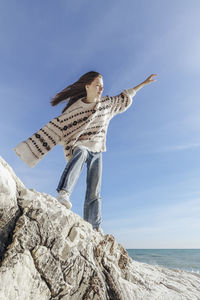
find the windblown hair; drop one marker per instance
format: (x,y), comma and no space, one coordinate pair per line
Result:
(74,91)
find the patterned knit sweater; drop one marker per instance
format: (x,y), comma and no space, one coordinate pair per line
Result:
(81,124)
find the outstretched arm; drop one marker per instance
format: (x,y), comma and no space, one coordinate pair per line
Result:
(139,86)
(33,149)
(121,102)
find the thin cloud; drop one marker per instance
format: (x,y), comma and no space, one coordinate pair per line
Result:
(175,148)
(159,227)
(144,150)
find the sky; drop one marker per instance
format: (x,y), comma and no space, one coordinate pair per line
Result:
(150,186)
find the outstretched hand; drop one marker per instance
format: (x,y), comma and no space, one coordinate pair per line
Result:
(147,81)
(150,79)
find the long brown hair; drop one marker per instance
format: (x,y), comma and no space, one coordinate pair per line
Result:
(74,91)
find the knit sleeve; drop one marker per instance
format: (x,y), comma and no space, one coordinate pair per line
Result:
(32,150)
(121,102)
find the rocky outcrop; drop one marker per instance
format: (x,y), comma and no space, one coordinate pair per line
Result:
(49,252)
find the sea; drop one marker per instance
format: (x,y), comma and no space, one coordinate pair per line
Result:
(183,259)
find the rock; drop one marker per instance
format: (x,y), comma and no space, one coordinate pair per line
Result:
(49,252)
(9,209)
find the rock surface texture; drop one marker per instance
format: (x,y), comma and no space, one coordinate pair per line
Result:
(49,252)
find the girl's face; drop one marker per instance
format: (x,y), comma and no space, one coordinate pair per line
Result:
(95,89)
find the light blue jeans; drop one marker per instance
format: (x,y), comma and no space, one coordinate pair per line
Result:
(71,173)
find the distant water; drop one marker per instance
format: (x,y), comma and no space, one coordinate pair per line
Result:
(184,259)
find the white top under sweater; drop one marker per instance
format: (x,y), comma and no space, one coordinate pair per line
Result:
(81,124)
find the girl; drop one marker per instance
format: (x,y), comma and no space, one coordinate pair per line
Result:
(81,129)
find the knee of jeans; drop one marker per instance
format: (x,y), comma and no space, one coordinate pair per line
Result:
(81,150)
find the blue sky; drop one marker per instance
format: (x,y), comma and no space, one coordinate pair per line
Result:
(150,187)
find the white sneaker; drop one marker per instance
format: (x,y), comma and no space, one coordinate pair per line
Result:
(63,198)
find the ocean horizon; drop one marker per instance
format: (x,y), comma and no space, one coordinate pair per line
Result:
(182,259)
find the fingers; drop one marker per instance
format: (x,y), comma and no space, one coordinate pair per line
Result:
(151,79)
(152,75)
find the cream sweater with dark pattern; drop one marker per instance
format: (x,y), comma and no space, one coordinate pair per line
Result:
(81,124)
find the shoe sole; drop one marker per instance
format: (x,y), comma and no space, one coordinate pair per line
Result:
(67,205)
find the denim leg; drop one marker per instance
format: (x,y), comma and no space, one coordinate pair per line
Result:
(92,204)
(73,169)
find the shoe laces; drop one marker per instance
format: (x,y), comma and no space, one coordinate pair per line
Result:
(63,192)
